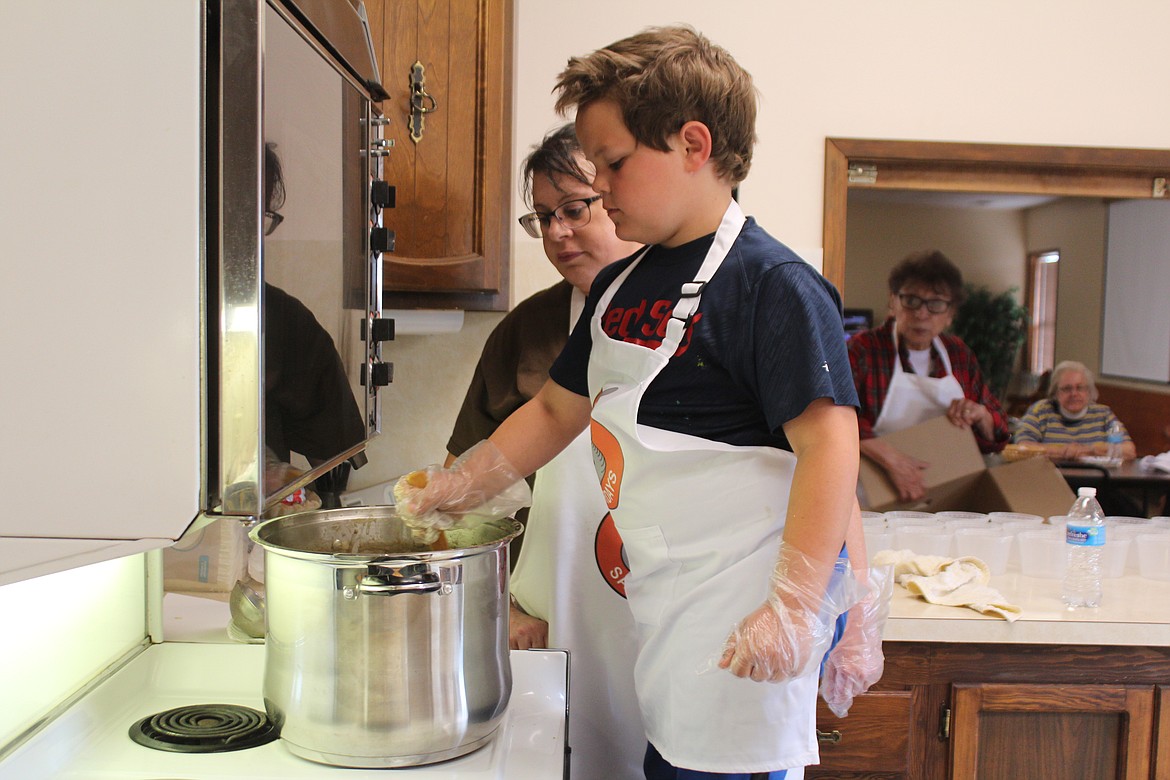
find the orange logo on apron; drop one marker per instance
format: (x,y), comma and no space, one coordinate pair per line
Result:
(611,555)
(609,462)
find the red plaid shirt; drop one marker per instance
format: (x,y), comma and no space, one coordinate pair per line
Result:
(871,356)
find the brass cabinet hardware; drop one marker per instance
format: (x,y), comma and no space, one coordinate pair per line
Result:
(421,103)
(828,737)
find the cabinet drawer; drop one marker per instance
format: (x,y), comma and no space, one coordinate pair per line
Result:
(874,737)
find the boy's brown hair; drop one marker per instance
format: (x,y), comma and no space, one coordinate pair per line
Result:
(661,79)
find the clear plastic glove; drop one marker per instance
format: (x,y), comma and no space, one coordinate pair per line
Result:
(857,662)
(790,633)
(480,485)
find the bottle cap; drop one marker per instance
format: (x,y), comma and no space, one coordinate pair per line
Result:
(1087,491)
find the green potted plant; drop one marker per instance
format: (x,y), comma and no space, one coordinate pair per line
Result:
(993,325)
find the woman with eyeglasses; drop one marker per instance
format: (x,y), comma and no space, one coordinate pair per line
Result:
(566,590)
(908,371)
(1069,423)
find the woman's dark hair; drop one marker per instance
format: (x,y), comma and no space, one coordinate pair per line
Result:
(558,154)
(931,268)
(273,179)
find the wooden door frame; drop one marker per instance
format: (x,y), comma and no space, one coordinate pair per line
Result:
(969,167)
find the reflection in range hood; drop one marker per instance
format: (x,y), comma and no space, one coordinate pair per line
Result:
(290,298)
(345,31)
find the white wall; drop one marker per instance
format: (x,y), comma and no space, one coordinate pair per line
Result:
(1083,73)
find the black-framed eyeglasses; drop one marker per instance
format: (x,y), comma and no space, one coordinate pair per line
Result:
(574,214)
(272,220)
(933,305)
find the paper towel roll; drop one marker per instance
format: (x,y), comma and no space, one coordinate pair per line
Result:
(422,322)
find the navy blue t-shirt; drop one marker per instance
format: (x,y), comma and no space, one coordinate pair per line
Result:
(766,341)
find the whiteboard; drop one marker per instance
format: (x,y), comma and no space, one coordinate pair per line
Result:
(1136,330)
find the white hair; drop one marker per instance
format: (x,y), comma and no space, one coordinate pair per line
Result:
(1065,366)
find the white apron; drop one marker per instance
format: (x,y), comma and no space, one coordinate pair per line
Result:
(570,574)
(701,522)
(912,399)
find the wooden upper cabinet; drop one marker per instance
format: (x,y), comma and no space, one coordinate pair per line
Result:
(453,206)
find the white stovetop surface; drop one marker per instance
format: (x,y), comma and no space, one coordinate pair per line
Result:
(90,741)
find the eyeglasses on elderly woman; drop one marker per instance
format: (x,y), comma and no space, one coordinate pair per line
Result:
(572,215)
(933,305)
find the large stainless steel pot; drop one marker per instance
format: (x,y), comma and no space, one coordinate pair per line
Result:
(380,653)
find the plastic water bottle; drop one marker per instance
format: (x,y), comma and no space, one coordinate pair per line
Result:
(1085,540)
(1114,439)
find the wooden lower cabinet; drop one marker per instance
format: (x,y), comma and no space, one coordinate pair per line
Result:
(1088,732)
(1005,712)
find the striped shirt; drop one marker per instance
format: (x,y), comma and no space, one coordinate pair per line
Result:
(1043,423)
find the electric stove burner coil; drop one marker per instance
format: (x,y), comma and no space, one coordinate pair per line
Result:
(204,728)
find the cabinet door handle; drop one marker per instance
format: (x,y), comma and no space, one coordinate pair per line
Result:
(828,737)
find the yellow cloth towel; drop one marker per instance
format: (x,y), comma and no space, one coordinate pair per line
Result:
(953,582)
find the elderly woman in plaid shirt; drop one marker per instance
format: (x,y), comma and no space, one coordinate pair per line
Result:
(908,371)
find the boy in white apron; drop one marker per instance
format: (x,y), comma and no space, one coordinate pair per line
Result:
(567,587)
(712,373)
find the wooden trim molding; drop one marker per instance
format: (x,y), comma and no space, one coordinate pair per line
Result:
(972,167)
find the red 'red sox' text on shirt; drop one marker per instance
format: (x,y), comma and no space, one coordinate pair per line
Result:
(645,324)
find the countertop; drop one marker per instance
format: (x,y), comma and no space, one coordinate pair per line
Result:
(1134,611)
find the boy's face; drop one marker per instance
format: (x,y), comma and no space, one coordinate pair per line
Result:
(640,186)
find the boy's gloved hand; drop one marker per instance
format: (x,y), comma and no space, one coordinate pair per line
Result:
(789,634)
(857,662)
(481,482)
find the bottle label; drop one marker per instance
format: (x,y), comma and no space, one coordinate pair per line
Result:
(1084,535)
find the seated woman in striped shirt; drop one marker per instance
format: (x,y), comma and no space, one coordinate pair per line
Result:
(1069,422)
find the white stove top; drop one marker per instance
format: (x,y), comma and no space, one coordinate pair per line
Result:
(90,740)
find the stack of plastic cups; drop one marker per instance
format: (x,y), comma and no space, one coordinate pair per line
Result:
(989,544)
(924,539)
(1042,551)
(877,536)
(1153,548)
(1013,524)
(1120,532)
(952,518)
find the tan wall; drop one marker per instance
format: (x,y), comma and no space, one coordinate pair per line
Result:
(1076,227)
(987,246)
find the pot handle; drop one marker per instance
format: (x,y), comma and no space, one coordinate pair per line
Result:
(387,579)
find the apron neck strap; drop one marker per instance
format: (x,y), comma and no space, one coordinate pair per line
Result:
(692,291)
(936,343)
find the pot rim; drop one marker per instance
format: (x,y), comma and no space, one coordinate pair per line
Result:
(512,528)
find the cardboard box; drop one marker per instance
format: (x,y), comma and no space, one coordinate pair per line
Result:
(959,479)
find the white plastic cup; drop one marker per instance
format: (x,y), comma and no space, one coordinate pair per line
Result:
(955,525)
(990,545)
(932,539)
(1014,517)
(1112,520)
(873,519)
(878,539)
(949,516)
(1160,521)
(899,518)
(1042,553)
(1115,561)
(1153,555)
